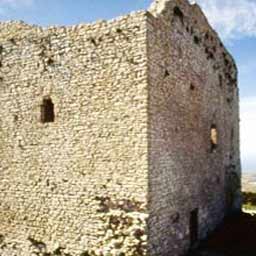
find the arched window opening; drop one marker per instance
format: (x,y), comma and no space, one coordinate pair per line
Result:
(214,138)
(178,13)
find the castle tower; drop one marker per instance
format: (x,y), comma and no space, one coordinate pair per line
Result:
(118,137)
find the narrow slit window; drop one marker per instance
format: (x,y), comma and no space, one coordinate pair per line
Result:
(193,227)
(214,138)
(47,111)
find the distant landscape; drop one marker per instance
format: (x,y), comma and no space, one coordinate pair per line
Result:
(249,182)
(249,192)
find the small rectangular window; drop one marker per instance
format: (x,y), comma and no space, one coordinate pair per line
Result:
(47,111)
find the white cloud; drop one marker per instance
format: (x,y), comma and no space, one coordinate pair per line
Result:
(248,132)
(231,18)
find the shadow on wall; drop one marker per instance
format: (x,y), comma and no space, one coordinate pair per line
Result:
(236,236)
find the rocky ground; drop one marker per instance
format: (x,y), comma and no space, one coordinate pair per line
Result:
(237,235)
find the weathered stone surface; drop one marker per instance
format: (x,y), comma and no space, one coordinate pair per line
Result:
(125,156)
(193,127)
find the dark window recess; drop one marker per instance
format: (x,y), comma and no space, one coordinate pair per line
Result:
(50,62)
(192,87)
(232,135)
(178,13)
(47,111)
(193,227)
(197,40)
(214,138)
(220,80)
(166,73)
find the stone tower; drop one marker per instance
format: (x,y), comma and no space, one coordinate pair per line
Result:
(118,137)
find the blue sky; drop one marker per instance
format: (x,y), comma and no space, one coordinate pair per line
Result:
(235,20)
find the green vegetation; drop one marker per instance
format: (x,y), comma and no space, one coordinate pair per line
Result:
(249,201)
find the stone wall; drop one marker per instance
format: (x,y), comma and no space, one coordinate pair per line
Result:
(192,93)
(141,139)
(75,186)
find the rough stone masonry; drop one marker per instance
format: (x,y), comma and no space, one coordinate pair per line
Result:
(119,137)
